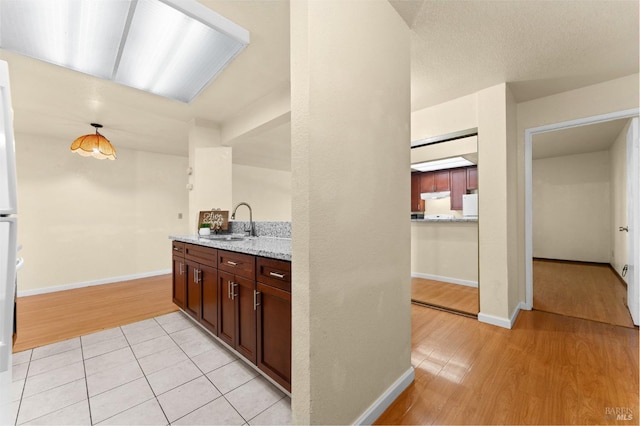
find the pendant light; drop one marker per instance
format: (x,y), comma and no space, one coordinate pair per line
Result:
(94,145)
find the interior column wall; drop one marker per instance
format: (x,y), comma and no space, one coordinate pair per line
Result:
(350,89)
(494,221)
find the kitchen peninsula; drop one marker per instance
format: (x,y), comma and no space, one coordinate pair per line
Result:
(239,289)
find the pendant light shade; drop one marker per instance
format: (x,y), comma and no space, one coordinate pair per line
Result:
(94,145)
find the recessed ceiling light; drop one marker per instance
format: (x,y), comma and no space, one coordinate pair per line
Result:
(173,48)
(447,163)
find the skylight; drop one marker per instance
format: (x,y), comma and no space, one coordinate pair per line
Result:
(173,48)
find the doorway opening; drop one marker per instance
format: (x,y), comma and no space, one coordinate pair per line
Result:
(576,201)
(444,228)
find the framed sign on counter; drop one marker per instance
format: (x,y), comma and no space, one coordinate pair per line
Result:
(218,219)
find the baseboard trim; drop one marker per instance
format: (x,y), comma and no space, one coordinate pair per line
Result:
(376,409)
(22,293)
(622,280)
(500,321)
(445,279)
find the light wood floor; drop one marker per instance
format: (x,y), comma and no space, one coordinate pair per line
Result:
(549,369)
(580,290)
(52,317)
(456,297)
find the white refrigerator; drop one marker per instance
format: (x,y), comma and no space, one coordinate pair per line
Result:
(8,244)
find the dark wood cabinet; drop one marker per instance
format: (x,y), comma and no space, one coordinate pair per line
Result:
(209,286)
(202,285)
(436,181)
(427,182)
(237,314)
(472,178)
(416,202)
(274,319)
(441,180)
(218,288)
(246,313)
(458,187)
(459,181)
(179,281)
(194,291)
(179,272)
(227,311)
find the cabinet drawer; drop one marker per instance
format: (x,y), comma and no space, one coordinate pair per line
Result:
(243,265)
(276,273)
(204,255)
(178,248)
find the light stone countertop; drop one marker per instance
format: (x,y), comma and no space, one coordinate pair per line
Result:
(455,219)
(275,248)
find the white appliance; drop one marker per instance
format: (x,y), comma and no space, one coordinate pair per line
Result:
(470,205)
(8,244)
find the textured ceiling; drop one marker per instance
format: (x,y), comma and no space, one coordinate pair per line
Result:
(577,140)
(540,47)
(458,48)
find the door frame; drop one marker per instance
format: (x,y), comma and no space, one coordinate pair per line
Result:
(528,183)
(633,220)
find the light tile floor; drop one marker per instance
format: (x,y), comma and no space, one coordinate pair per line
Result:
(160,371)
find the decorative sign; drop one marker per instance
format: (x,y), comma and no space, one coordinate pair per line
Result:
(219,219)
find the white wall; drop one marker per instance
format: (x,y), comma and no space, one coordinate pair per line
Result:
(454,115)
(571,207)
(448,250)
(618,156)
(267,191)
(82,219)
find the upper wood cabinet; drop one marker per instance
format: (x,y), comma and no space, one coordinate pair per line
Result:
(472,178)
(458,187)
(427,182)
(441,180)
(416,202)
(435,181)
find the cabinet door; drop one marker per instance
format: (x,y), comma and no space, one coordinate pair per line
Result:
(245,299)
(472,178)
(274,334)
(458,187)
(441,180)
(179,281)
(415,192)
(427,182)
(194,291)
(226,309)
(209,284)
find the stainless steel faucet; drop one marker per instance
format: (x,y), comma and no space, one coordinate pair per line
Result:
(252,231)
